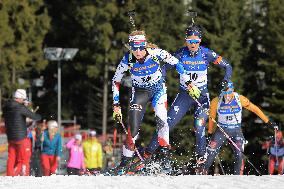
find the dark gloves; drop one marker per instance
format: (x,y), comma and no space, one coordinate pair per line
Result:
(272,124)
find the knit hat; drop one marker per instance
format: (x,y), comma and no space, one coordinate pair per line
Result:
(20,93)
(78,136)
(52,124)
(92,133)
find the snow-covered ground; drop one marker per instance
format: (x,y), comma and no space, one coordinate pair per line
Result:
(148,182)
(137,182)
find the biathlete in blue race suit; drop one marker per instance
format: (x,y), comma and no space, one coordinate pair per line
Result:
(195,60)
(143,63)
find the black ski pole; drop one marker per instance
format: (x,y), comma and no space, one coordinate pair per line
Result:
(131,15)
(220,163)
(275,146)
(135,148)
(193,15)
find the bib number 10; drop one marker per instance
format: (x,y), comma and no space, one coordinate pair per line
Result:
(193,76)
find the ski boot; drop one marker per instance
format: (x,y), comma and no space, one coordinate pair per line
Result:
(200,165)
(166,167)
(138,164)
(121,169)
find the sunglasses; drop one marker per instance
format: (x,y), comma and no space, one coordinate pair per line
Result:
(141,48)
(227,92)
(193,41)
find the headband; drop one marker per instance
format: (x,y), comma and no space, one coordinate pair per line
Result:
(137,38)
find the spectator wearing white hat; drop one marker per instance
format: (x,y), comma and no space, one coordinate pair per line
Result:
(76,156)
(93,153)
(51,148)
(15,114)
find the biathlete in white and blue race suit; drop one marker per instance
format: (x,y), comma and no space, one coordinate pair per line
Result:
(143,63)
(195,59)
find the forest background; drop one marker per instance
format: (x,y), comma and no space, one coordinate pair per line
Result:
(248,33)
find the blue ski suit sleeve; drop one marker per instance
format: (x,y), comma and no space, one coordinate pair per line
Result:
(221,62)
(166,67)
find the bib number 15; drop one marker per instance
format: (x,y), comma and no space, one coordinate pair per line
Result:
(229,118)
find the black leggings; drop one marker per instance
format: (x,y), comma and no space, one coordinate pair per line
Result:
(137,109)
(138,102)
(73,171)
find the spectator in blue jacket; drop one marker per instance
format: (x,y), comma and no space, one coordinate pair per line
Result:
(51,148)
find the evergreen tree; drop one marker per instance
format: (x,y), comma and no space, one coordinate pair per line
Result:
(23,27)
(271,61)
(85,25)
(223,23)
(263,72)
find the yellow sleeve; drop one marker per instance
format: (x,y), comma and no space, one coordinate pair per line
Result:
(83,144)
(212,114)
(100,156)
(86,155)
(253,108)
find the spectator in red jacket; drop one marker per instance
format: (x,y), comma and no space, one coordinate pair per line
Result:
(275,148)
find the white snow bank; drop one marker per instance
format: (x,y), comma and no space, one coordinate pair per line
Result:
(148,182)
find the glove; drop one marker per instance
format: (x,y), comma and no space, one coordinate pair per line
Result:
(193,91)
(117,115)
(272,124)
